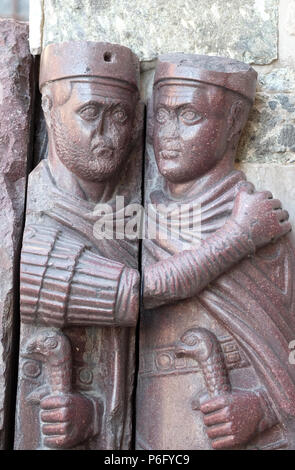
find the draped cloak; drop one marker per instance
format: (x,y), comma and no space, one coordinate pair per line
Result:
(251,309)
(103,357)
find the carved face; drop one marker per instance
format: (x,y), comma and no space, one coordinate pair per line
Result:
(191,129)
(92,129)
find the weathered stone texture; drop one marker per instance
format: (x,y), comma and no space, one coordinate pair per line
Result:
(287,32)
(277,178)
(244,30)
(270,133)
(15,112)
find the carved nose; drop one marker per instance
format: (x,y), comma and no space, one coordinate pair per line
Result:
(100,125)
(172,130)
(101,142)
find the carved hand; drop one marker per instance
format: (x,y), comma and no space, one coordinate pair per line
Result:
(256,220)
(260,215)
(232,419)
(67,420)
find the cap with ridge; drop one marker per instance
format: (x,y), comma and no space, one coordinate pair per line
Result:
(88,59)
(220,71)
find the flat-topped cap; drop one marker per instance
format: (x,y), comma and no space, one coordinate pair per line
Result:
(220,71)
(89,59)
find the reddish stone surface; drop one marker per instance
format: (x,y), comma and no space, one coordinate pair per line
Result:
(15,118)
(80,293)
(218,295)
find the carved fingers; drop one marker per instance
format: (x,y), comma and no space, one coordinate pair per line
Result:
(260,215)
(225,443)
(276,219)
(60,415)
(263,195)
(245,186)
(274,204)
(56,408)
(56,420)
(231,419)
(283,215)
(283,221)
(217,419)
(212,405)
(66,420)
(57,436)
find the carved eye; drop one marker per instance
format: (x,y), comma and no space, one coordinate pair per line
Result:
(189,116)
(119,115)
(162,115)
(89,112)
(50,343)
(190,339)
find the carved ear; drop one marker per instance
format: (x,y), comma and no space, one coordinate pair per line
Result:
(47,106)
(235,120)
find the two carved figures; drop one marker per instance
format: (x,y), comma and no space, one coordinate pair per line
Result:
(217,296)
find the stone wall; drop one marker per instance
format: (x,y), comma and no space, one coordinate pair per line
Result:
(261,32)
(17,9)
(16,79)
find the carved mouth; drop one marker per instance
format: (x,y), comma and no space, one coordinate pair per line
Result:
(104,152)
(180,352)
(34,349)
(169,154)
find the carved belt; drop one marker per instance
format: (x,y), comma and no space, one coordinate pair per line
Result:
(163,361)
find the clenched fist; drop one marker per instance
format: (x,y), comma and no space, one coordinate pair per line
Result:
(67,420)
(231,419)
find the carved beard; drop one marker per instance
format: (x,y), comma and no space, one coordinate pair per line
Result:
(99,162)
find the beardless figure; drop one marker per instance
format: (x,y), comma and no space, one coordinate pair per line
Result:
(219,309)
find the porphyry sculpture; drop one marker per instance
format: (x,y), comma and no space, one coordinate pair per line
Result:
(223,292)
(16,108)
(79,292)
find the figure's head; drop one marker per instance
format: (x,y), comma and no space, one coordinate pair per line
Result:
(89,97)
(200,106)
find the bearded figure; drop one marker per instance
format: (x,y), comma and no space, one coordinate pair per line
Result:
(79,291)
